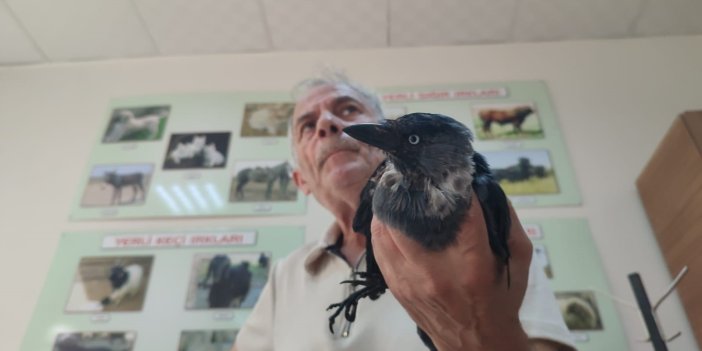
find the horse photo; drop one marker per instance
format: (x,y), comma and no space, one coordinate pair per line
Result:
(263,181)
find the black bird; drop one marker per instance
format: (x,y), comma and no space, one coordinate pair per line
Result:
(423,188)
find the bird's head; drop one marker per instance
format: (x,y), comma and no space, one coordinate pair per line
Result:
(430,144)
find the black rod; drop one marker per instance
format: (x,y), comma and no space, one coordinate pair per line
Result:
(647,312)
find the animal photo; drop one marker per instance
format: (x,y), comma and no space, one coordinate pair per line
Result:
(227,280)
(579,310)
(507,121)
(117,185)
(542,259)
(266,119)
(197,150)
(256,181)
(207,340)
(110,284)
(523,172)
(136,124)
(95,341)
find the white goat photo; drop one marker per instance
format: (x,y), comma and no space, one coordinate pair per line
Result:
(266,119)
(136,124)
(202,150)
(110,283)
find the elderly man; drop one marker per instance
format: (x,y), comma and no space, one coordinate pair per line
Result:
(455,295)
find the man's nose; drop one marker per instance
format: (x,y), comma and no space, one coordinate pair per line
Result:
(328,125)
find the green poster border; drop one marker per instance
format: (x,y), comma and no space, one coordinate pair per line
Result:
(164,316)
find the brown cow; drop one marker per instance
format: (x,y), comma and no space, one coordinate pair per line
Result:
(514,116)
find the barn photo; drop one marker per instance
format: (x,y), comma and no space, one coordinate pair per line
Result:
(523,172)
(507,121)
(102,341)
(110,284)
(117,185)
(266,119)
(256,181)
(227,280)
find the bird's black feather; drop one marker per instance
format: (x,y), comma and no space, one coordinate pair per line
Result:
(421,189)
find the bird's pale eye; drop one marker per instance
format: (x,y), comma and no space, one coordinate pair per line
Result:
(413,139)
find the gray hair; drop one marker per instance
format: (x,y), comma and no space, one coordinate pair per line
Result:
(332,78)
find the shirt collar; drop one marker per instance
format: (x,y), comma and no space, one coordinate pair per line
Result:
(322,251)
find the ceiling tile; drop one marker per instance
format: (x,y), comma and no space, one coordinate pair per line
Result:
(574,19)
(17,47)
(670,17)
(205,26)
(326,24)
(84,29)
(449,22)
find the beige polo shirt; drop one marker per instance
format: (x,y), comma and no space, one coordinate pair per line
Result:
(291,313)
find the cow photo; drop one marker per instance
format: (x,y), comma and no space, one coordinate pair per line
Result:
(117,185)
(523,172)
(197,151)
(579,310)
(207,340)
(266,119)
(507,121)
(256,181)
(227,280)
(110,284)
(136,124)
(95,341)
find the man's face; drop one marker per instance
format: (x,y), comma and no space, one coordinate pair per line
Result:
(328,159)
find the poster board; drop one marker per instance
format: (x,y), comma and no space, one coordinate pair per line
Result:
(175,301)
(515,128)
(564,248)
(219,154)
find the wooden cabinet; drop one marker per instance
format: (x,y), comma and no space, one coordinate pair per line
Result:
(670,187)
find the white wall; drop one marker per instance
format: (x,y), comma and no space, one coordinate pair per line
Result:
(615,100)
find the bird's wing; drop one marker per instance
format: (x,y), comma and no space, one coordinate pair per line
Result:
(495,208)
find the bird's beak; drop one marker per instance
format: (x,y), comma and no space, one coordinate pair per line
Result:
(378,135)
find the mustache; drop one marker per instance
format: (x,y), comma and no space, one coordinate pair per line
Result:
(342,145)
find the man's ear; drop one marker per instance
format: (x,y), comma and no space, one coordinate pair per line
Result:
(300,182)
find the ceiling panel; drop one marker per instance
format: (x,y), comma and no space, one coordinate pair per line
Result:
(450,22)
(205,26)
(84,29)
(575,19)
(326,24)
(671,17)
(16,45)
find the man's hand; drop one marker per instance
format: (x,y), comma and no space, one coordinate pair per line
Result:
(459,296)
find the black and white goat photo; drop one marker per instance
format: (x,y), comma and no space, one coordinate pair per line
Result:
(117,185)
(207,340)
(110,284)
(136,124)
(95,341)
(227,280)
(197,150)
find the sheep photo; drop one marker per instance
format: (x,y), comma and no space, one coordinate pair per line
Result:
(95,341)
(117,185)
(227,280)
(110,284)
(579,310)
(523,172)
(257,181)
(197,151)
(207,340)
(511,121)
(136,124)
(266,119)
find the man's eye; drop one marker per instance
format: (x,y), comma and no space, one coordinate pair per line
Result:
(349,110)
